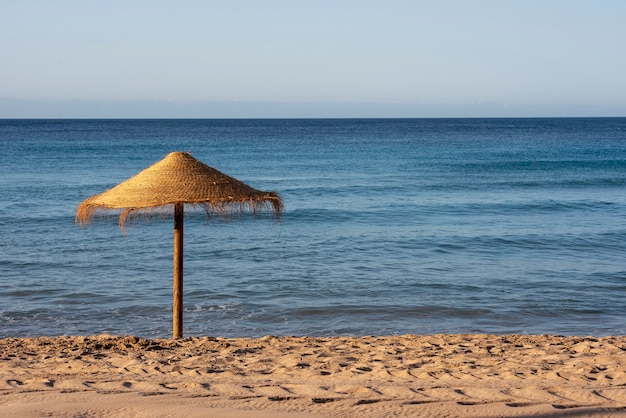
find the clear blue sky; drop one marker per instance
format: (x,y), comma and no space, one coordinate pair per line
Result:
(352,58)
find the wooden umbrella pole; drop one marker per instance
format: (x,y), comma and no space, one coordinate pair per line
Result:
(179,216)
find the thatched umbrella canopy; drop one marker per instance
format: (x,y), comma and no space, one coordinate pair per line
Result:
(165,187)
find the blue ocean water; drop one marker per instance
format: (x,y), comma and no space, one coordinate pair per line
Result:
(391,226)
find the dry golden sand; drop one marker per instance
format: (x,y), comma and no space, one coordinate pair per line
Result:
(432,375)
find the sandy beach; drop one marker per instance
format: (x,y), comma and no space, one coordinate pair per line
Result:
(430,375)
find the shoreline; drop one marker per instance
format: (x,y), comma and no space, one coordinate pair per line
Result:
(409,375)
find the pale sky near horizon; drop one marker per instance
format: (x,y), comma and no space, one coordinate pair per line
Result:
(337,58)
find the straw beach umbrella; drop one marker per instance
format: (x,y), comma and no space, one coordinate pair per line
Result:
(165,187)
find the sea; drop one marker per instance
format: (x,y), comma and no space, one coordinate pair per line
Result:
(390,227)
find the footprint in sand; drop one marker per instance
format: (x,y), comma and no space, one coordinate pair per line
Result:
(14,383)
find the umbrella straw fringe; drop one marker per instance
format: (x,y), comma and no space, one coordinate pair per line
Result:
(85,213)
